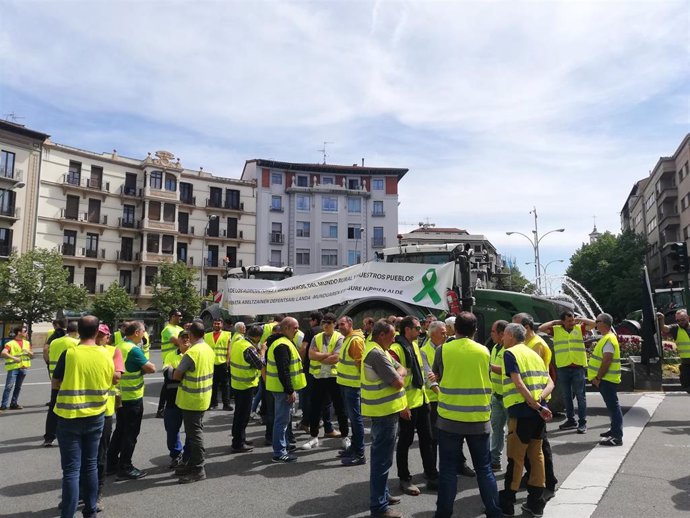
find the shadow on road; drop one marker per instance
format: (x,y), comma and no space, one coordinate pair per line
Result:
(674,427)
(339,504)
(682,499)
(35,488)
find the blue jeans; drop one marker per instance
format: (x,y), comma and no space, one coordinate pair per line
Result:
(257,396)
(383,432)
(571,381)
(449,446)
(499,418)
(172,420)
(281,423)
(78,440)
(351,398)
(14,380)
(609,391)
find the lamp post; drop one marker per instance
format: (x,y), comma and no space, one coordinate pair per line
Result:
(212,217)
(534,241)
(547,265)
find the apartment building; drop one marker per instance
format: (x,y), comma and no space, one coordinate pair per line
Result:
(115,219)
(20,164)
(320,217)
(657,207)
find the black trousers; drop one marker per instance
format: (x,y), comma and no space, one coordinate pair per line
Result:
(306,402)
(194,430)
(51,418)
(103,450)
(124,439)
(221,383)
(240,419)
(422,424)
(324,390)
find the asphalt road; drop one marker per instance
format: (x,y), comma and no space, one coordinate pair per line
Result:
(652,479)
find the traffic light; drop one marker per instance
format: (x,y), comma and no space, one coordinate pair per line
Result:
(679,257)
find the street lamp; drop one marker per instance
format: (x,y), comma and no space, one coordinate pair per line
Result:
(212,217)
(547,265)
(534,241)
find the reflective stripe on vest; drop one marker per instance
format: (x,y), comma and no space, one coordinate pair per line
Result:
(532,372)
(315,365)
(242,375)
(683,343)
(273,384)
(377,398)
(430,351)
(416,397)
(614,373)
(131,383)
(194,392)
(85,387)
(57,347)
(465,388)
(497,359)
(20,351)
(220,348)
(569,347)
(348,371)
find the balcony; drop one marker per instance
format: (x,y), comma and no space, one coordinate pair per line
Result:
(378,214)
(188,200)
(94,256)
(82,220)
(161,194)
(189,261)
(213,262)
(378,242)
(276,238)
(130,223)
(212,205)
(276,208)
(10,214)
(86,186)
(156,257)
(187,231)
(329,188)
(168,226)
(131,192)
(127,256)
(11,177)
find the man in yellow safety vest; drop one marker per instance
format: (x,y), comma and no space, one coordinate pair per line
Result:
(17,354)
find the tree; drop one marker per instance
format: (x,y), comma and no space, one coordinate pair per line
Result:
(113,305)
(34,287)
(175,287)
(511,279)
(610,269)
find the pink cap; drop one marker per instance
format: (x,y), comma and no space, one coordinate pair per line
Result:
(103,329)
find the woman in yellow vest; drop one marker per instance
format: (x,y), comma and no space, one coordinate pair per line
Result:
(195,374)
(604,371)
(17,354)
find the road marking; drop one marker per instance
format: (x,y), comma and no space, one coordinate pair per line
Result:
(2,385)
(579,495)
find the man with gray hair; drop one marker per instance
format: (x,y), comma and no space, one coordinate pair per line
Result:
(604,372)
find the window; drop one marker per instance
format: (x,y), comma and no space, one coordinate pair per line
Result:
(277,203)
(649,202)
(170,182)
(156,180)
(353,183)
(276,233)
(91,245)
(354,205)
(354,257)
(7,164)
(96,180)
(302,181)
(69,242)
(182,252)
(303,202)
(638,218)
(215,197)
(168,244)
(154,210)
(7,202)
(302,257)
(72,207)
(130,184)
(213,227)
(187,193)
(150,275)
(126,280)
(183,222)
(686,235)
(212,256)
(377,184)
(74,173)
(128,216)
(169,212)
(303,229)
(354,232)
(651,224)
(329,204)
(126,249)
(232,199)
(152,241)
(231,256)
(378,209)
(276,179)
(94,214)
(232,228)
(90,279)
(276,258)
(6,242)
(329,230)
(329,257)
(377,240)
(70,274)
(211,283)
(327,180)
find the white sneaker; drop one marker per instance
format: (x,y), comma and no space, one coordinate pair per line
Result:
(310,444)
(255,416)
(346,443)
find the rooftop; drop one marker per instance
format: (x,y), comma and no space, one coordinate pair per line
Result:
(328,168)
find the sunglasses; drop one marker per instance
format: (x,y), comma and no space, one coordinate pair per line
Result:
(418,328)
(328,323)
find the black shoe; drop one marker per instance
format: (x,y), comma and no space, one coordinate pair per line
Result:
(607,433)
(110,471)
(535,510)
(432,484)
(549,494)
(175,462)
(48,443)
(356,460)
(248,442)
(242,449)
(344,453)
(47,404)
(506,500)
(228,408)
(466,471)
(182,469)
(286,459)
(132,474)
(611,441)
(194,476)
(291,448)
(16,406)
(160,414)
(568,425)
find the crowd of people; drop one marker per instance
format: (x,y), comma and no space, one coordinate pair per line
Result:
(405,376)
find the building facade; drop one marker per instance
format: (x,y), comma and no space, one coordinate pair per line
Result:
(320,217)
(657,207)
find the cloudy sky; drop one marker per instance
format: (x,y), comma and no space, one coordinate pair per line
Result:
(494,106)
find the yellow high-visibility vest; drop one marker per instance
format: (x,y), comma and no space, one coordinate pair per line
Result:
(168,332)
(533,374)
(131,383)
(114,389)
(86,384)
(348,372)
(242,375)
(614,373)
(220,348)
(569,347)
(497,359)
(22,352)
(683,343)
(57,347)
(194,392)
(315,365)
(378,398)
(273,384)
(416,397)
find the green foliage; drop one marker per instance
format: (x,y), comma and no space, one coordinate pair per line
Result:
(113,305)
(176,287)
(610,269)
(514,281)
(34,287)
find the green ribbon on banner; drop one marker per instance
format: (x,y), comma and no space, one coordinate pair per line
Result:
(429,280)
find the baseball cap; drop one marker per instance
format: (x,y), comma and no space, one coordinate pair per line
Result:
(103,329)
